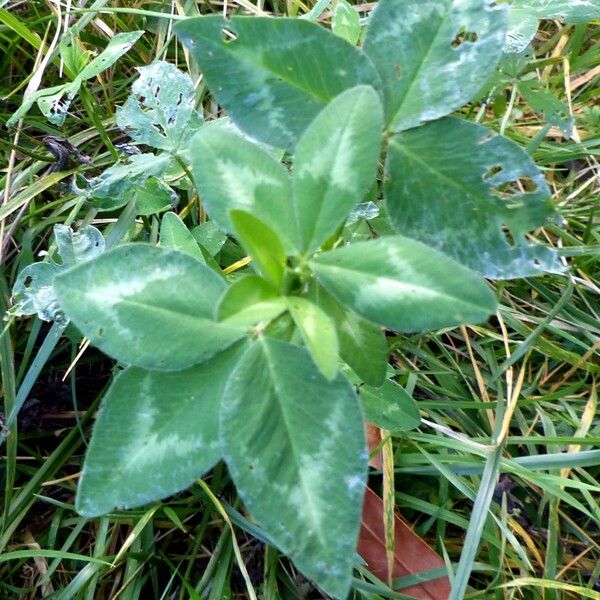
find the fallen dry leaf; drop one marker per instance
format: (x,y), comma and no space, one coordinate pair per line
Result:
(412,554)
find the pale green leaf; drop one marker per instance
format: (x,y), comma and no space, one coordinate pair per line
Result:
(115,186)
(33,291)
(454,185)
(233,173)
(273,76)
(262,244)
(175,235)
(318,333)
(155,435)
(160,111)
(287,430)
(404,285)
(147,306)
(345,22)
(243,293)
(390,407)
(433,55)
(336,161)
(75,247)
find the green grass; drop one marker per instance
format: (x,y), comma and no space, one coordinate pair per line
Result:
(515,397)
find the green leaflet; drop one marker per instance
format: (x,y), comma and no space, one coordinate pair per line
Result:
(318,333)
(243,293)
(404,285)
(233,173)
(452,185)
(262,244)
(336,161)
(288,430)
(273,76)
(147,306)
(346,22)
(390,407)
(175,235)
(164,434)
(362,344)
(432,55)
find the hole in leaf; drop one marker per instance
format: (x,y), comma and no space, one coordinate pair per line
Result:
(398,71)
(508,235)
(513,191)
(464,36)
(537,263)
(100,331)
(28,281)
(228,36)
(492,171)
(486,137)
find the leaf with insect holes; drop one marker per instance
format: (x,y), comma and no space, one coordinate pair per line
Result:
(318,333)
(54,102)
(33,291)
(335,164)
(404,285)
(164,434)
(233,173)
(273,76)
(524,15)
(287,430)
(148,307)
(160,111)
(432,55)
(115,186)
(454,185)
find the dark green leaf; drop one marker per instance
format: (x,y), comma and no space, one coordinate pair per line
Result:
(147,307)
(454,185)
(273,76)
(156,434)
(404,285)
(288,430)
